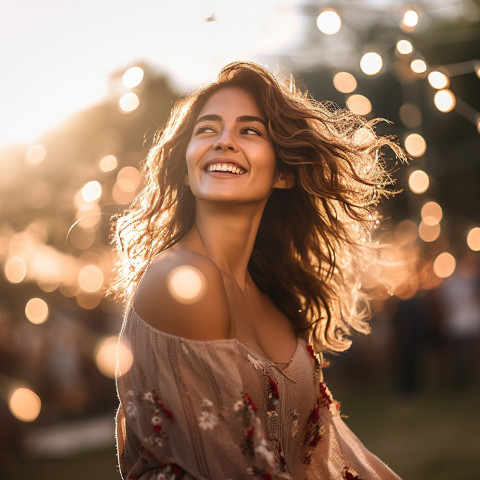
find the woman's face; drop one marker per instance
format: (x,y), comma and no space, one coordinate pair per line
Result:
(230,157)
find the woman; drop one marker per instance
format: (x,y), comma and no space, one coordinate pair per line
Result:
(241,265)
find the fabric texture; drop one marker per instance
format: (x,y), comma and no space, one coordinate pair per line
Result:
(215,410)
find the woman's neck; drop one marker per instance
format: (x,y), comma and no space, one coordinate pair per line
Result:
(226,234)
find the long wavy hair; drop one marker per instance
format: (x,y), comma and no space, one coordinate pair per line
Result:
(314,240)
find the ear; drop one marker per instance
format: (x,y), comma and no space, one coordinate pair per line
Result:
(284,181)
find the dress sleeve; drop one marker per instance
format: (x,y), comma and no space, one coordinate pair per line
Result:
(183,412)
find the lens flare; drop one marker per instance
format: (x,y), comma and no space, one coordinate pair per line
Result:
(24,404)
(371,63)
(186,284)
(444,265)
(410,18)
(329,22)
(36,311)
(344,82)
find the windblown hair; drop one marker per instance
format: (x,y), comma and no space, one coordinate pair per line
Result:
(314,240)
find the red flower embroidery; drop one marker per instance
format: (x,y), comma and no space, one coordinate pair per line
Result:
(311,351)
(267,476)
(273,395)
(348,474)
(249,432)
(157,428)
(283,462)
(250,401)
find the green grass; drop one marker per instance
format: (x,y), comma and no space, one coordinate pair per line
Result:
(433,436)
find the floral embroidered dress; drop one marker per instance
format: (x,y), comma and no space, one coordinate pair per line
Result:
(214,410)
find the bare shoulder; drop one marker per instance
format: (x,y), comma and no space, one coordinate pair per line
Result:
(182,293)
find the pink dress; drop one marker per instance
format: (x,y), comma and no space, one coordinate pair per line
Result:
(215,410)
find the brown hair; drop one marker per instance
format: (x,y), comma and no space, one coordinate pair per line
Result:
(314,240)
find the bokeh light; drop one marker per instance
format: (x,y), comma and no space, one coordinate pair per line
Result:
(15,269)
(186,284)
(329,22)
(410,18)
(404,47)
(36,153)
(418,66)
(359,104)
(415,145)
(344,82)
(444,100)
(410,115)
(107,351)
(128,102)
(91,191)
(108,163)
(428,233)
(438,80)
(431,213)
(473,239)
(371,63)
(418,182)
(90,278)
(36,311)
(24,404)
(128,179)
(444,265)
(133,77)
(363,135)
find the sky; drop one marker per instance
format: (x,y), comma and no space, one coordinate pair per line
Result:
(57,56)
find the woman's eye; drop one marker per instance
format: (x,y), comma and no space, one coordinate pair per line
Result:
(251,131)
(204,129)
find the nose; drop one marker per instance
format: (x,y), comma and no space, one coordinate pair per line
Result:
(225,142)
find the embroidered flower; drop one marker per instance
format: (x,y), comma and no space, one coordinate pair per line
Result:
(257,364)
(264,452)
(349,474)
(148,396)
(207,420)
(131,410)
(273,395)
(281,458)
(295,416)
(238,405)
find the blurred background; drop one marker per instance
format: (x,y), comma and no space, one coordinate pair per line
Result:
(85,85)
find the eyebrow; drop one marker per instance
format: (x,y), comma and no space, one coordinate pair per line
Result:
(242,119)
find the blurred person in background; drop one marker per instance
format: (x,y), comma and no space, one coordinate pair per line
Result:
(461,300)
(240,266)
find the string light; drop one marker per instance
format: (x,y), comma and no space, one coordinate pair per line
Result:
(418,182)
(24,404)
(444,100)
(344,82)
(133,77)
(128,102)
(428,233)
(329,22)
(371,63)
(473,239)
(409,20)
(415,145)
(108,163)
(91,191)
(15,269)
(404,47)
(444,265)
(438,80)
(359,104)
(418,66)
(36,311)
(431,213)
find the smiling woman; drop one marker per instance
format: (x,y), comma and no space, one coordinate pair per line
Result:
(265,202)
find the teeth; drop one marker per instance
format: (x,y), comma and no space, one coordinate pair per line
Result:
(225,167)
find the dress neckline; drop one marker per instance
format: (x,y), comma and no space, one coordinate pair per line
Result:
(131,311)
